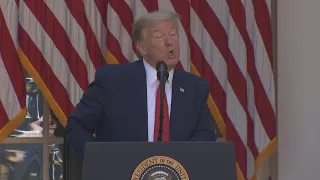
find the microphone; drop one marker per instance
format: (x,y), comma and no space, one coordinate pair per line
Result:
(162,74)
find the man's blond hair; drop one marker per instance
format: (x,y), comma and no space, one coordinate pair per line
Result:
(145,21)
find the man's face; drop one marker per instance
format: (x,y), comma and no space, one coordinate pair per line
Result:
(161,42)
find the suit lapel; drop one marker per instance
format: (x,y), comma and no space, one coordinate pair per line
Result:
(178,101)
(138,100)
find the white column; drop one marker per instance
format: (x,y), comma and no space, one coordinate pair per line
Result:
(299,89)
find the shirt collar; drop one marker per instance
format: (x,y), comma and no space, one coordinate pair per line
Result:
(151,74)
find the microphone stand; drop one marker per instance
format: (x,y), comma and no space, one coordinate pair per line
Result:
(162,89)
(162,75)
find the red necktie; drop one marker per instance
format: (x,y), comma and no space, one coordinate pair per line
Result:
(165,133)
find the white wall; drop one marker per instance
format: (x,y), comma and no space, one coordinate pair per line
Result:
(298,89)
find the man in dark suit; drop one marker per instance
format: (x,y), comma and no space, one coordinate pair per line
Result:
(122,104)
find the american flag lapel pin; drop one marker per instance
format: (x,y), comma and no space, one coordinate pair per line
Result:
(181,89)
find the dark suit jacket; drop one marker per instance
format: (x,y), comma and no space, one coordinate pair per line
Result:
(115,108)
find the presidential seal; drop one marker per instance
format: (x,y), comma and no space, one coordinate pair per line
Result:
(160,168)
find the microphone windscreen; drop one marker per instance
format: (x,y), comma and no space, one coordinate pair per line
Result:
(161,65)
(162,69)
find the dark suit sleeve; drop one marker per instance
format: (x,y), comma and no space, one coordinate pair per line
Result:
(205,127)
(82,122)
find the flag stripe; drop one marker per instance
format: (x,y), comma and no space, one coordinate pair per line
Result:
(13,69)
(74,32)
(124,12)
(102,8)
(264,24)
(205,71)
(12,89)
(219,97)
(96,22)
(238,14)
(137,7)
(50,53)
(235,42)
(39,63)
(114,47)
(3,115)
(211,24)
(121,12)
(263,84)
(112,44)
(78,12)
(268,2)
(262,64)
(151,5)
(43,14)
(240,148)
(236,114)
(120,33)
(250,131)
(235,77)
(8,98)
(10,13)
(240,62)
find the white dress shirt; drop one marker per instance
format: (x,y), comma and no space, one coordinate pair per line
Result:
(152,86)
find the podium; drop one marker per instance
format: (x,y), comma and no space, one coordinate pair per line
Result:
(159,161)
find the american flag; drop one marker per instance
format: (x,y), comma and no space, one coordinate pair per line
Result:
(229,42)
(12,86)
